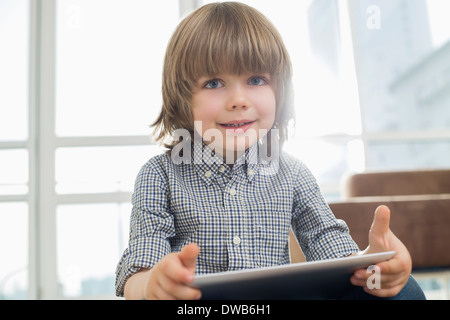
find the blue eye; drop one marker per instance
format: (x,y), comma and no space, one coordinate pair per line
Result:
(257,81)
(213,84)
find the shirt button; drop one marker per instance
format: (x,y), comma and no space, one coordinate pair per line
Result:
(222,169)
(251,172)
(232,191)
(208,174)
(237,240)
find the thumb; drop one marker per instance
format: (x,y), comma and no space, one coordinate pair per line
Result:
(378,234)
(188,256)
(381,220)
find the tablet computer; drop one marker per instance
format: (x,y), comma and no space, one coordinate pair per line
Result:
(325,279)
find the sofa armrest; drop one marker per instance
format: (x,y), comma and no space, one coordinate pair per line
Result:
(397,183)
(422,224)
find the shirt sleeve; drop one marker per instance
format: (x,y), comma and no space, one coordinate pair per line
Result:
(320,234)
(151,225)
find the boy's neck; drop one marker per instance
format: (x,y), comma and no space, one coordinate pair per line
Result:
(232,156)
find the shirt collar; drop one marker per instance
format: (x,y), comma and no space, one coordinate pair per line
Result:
(209,165)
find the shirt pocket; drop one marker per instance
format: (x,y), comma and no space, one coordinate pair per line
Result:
(272,235)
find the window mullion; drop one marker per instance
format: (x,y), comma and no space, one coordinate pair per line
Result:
(13,144)
(103,141)
(189,5)
(112,197)
(44,153)
(33,239)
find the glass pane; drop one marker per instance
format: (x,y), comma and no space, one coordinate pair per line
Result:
(13,171)
(100,169)
(320,49)
(438,17)
(408,155)
(14,251)
(109,62)
(90,241)
(14,36)
(328,161)
(401,51)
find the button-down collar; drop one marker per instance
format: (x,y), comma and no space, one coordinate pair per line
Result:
(208,164)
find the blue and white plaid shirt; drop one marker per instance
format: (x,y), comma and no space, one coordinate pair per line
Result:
(240,217)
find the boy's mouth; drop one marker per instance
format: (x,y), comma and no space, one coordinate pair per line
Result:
(243,125)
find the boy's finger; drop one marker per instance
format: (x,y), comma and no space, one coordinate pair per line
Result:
(173,268)
(396,265)
(176,290)
(161,293)
(180,267)
(381,220)
(379,231)
(188,256)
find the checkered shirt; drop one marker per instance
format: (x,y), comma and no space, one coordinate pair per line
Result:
(240,218)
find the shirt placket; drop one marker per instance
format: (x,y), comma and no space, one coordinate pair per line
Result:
(239,238)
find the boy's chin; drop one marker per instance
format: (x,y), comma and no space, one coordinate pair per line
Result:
(238,147)
(231,151)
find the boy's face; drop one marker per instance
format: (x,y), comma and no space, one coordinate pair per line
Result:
(233,110)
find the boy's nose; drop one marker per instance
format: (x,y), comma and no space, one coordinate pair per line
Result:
(238,106)
(238,99)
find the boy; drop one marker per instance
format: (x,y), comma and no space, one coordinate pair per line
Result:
(225,196)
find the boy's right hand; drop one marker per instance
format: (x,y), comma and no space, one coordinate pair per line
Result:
(169,278)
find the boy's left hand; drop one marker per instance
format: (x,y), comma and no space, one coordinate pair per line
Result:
(394,272)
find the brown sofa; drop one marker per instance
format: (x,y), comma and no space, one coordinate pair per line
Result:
(420,212)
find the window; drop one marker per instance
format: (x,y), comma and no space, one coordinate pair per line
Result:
(14,239)
(82,83)
(74,132)
(107,87)
(327,108)
(364,99)
(91,239)
(404,106)
(14,156)
(108,65)
(14,65)
(13,171)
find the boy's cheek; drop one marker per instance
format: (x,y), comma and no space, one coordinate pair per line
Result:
(205,112)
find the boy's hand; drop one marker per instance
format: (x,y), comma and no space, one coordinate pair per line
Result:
(394,272)
(169,278)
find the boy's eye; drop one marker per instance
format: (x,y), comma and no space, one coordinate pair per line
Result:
(257,81)
(213,84)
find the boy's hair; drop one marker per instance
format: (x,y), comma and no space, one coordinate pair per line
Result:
(228,37)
